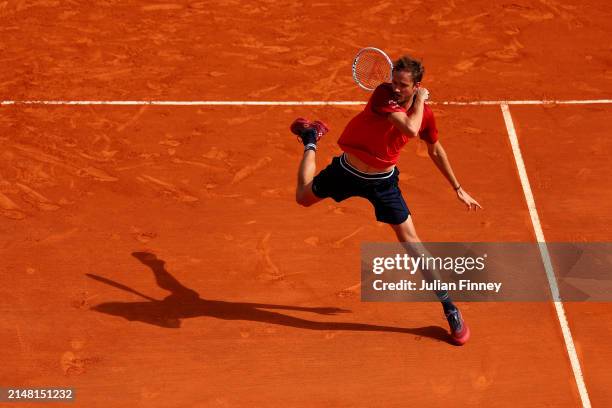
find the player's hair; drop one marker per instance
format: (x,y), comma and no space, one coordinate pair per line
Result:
(410,64)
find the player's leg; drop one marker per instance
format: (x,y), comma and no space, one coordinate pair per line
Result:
(407,236)
(391,208)
(309,134)
(306,172)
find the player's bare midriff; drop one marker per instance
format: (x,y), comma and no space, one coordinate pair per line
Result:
(363,167)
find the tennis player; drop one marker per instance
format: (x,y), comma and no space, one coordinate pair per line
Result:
(371,144)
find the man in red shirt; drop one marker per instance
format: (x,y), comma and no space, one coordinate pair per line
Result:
(371,144)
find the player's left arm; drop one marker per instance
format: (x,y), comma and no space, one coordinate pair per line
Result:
(440,159)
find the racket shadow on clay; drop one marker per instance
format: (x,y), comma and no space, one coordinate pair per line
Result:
(183,303)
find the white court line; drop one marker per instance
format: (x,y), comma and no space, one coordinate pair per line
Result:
(550,274)
(296,103)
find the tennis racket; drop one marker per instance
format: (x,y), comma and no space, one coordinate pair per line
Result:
(372,67)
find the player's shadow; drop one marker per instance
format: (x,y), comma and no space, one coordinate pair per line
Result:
(184,303)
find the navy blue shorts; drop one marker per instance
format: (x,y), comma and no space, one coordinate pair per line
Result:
(339,180)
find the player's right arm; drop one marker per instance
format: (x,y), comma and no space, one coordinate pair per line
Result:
(410,124)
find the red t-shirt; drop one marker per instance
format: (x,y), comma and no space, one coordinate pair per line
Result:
(373,139)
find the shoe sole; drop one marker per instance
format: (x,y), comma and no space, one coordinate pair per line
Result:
(461,340)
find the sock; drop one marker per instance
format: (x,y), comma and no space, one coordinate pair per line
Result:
(309,137)
(310,146)
(447,303)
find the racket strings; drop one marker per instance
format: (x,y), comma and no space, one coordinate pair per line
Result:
(372,69)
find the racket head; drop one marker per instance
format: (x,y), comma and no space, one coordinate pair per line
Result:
(372,67)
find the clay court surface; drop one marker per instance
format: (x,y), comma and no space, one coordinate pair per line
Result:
(249,306)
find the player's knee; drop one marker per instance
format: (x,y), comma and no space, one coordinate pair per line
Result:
(412,238)
(405,235)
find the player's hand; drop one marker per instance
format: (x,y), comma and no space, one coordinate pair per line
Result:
(422,93)
(466,199)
